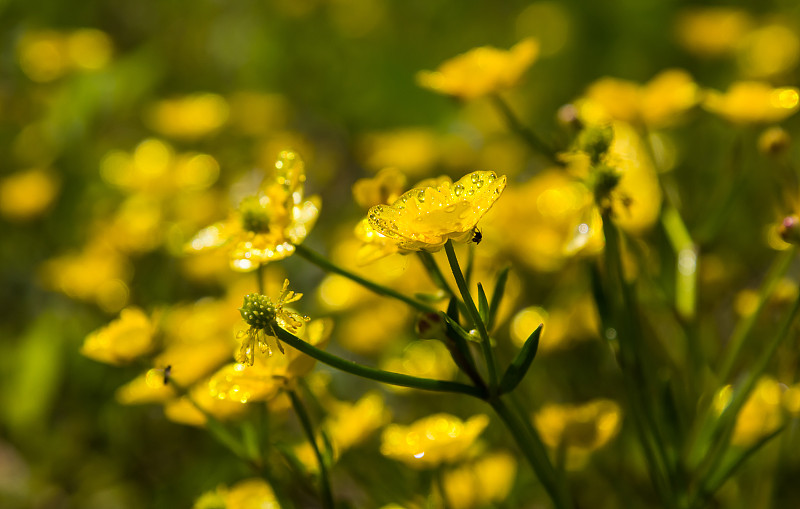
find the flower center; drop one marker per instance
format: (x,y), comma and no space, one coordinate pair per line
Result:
(254,215)
(258,311)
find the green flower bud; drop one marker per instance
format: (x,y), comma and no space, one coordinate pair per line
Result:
(258,311)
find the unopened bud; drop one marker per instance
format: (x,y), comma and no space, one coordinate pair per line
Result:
(431,326)
(595,141)
(789,230)
(258,311)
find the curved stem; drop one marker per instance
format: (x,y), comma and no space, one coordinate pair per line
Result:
(534,451)
(325,483)
(387,377)
(488,353)
(329,266)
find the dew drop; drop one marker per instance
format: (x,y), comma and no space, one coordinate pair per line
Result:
(458,189)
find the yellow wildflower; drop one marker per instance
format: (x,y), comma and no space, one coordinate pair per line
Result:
(152,387)
(771,50)
(433,440)
(266,226)
(483,483)
(481,71)
(349,424)
(262,315)
(761,414)
(27,194)
(712,31)
(125,339)
(658,103)
(385,187)
(753,102)
(579,428)
(189,117)
(427,217)
(47,55)
(184,410)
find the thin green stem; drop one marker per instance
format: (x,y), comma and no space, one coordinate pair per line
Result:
(522,131)
(475,316)
(637,383)
(325,484)
(425,384)
(534,451)
(329,266)
(745,326)
(435,272)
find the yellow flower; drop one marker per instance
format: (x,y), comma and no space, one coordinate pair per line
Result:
(27,194)
(266,226)
(248,494)
(189,117)
(481,71)
(125,339)
(184,409)
(433,440)
(349,424)
(761,414)
(580,428)
(483,483)
(712,31)
(658,103)
(426,217)
(262,315)
(753,102)
(385,187)
(47,55)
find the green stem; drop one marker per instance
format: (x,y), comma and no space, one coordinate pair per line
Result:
(425,384)
(632,364)
(723,427)
(746,324)
(435,272)
(534,451)
(326,264)
(488,353)
(525,133)
(325,488)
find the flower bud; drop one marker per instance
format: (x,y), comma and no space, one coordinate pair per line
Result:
(789,230)
(258,311)
(595,141)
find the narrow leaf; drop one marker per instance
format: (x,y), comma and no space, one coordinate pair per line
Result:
(497,296)
(483,305)
(519,366)
(452,309)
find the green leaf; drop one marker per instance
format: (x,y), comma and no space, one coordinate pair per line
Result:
(483,305)
(452,309)
(497,296)
(431,298)
(519,367)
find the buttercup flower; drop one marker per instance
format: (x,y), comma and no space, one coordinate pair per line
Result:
(486,481)
(753,102)
(580,428)
(248,494)
(262,315)
(761,414)
(481,71)
(267,225)
(428,442)
(427,217)
(123,340)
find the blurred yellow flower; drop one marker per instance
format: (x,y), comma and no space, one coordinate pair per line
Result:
(761,414)
(485,482)
(123,340)
(385,187)
(47,55)
(262,315)
(433,440)
(188,117)
(427,217)
(658,103)
(412,150)
(184,410)
(712,31)
(27,194)
(98,273)
(349,424)
(247,494)
(769,51)
(753,102)
(579,428)
(151,387)
(266,226)
(427,359)
(481,71)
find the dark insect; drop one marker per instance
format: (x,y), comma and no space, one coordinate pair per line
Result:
(477,236)
(167,371)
